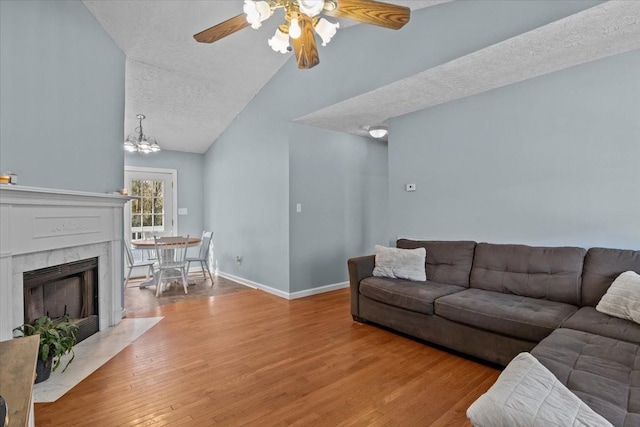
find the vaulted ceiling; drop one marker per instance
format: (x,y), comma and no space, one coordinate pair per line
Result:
(190,92)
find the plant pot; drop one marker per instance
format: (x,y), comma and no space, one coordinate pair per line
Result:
(43,370)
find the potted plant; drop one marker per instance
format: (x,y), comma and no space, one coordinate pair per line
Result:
(57,338)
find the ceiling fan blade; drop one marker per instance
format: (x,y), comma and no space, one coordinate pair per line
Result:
(223,29)
(372,12)
(305,45)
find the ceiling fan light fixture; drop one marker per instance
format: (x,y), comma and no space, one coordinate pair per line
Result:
(294,27)
(311,8)
(256,11)
(304,17)
(279,42)
(326,30)
(378,131)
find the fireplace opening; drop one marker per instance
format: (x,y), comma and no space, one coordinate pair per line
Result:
(70,288)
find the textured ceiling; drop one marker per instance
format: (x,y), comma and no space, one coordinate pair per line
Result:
(604,30)
(190,92)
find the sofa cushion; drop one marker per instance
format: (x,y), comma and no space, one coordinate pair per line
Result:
(623,297)
(601,267)
(603,372)
(551,273)
(513,315)
(398,263)
(447,261)
(410,295)
(588,319)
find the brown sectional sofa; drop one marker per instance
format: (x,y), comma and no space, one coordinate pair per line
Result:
(494,301)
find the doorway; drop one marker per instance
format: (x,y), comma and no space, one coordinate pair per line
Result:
(153,210)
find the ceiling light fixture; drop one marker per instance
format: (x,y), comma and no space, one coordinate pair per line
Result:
(295,12)
(302,21)
(139,142)
(378,131)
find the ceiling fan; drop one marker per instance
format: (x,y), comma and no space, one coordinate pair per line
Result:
(303,18)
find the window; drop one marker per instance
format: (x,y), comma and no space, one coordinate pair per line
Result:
(147,209)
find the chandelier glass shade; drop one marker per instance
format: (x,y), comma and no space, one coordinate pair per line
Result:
(139,142)
(259,11)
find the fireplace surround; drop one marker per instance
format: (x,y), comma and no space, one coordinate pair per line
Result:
(42,228)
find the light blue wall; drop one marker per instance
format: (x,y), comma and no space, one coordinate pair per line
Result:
(255,174)
(62,103)
(190,169)
(551,161)
(251,169)
(246,192)
(341,182)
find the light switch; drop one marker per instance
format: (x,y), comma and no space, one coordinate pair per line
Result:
(299,207)
(410,187)
(182,211)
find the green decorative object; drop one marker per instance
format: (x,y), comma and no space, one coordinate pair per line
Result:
(57,338)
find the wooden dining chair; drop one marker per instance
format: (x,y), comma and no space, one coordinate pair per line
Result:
(132,263)
(203,255)
(172,264)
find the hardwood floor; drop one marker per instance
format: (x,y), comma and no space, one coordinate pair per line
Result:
(250,358)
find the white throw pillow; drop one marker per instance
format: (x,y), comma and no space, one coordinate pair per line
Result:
(400,263)
(623,297)
(526,394)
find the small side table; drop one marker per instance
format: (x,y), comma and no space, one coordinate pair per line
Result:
(18,370)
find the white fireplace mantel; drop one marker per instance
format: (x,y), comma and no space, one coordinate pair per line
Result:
(43,227)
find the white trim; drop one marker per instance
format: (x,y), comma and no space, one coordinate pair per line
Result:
(174,195)
(318,290)
(282,294)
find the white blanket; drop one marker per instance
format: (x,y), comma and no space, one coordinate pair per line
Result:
(528,395)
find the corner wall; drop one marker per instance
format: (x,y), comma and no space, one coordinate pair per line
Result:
(62,103)
(550,161)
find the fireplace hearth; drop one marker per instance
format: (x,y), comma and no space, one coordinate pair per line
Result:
(66,289)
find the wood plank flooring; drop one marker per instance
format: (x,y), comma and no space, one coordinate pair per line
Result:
(250,358)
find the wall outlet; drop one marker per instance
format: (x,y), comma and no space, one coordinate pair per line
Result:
(410,187)
(238,259)
(299,207)
(182,211)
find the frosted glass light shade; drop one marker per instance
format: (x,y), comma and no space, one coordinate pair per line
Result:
(128,145)
(378,131)
(256,11)
(294,28)
(311,7)
(326,30)
(279,42)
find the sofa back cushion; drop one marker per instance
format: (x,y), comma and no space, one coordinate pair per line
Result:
(551,273)
(447,261)
(601,267)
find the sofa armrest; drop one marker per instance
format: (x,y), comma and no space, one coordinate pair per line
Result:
(359,268)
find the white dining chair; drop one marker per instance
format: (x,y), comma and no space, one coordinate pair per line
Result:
(132,263)
(203,255)
(172,265)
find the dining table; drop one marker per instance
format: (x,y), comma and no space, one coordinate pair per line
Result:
(150,244)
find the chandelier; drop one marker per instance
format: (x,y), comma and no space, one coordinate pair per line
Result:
(296,11)
(139,142)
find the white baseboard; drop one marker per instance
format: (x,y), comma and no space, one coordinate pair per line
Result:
(282,294)
(318,290)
